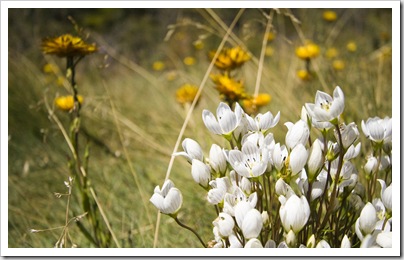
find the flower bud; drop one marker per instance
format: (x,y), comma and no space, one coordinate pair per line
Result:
(315,161)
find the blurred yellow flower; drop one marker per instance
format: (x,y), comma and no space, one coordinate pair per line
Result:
(331,53)
(329,16)
(228,87)
(351,46)
(189,61)
(67,45)
(186,93)
(229,59)
(307,51)
(269,51)
(198,44)
(50,68)
(251,105)
(158,65)
(60,81)
(66,103)
(338,64)
(303,75)
(270,36)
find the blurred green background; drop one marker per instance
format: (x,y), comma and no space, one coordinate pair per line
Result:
(130,147)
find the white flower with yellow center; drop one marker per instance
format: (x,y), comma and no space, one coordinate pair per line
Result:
(326,108)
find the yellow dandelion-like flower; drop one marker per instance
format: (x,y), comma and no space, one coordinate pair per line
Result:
(189,61)
(251,105)
(338,64)
(186,93)
(67,45)
(269,51)
(303,75)
(229,88)
(158,65)
(331,53)
(329,16)
(307,51)
(351,46)
(66,103)
(229,59)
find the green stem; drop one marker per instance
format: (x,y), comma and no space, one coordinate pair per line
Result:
(190,229)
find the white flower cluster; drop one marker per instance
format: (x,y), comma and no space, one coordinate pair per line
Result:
(306,192)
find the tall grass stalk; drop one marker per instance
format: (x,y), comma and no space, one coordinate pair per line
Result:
(191,109)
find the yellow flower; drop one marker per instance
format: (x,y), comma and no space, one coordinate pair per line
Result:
(331,53)
(50,68)
(229,59)
(189,61)
(229,88)
(338,64)
(307,51)
(251,105)
(351,46)
(67,45)
(158,65)
(329,16)
(186,93)
(270,36)
(198,44)
(303,75)
(269,51)
(66,103)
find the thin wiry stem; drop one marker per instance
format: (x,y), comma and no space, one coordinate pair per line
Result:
(191,109)
(81,169)
(262,55)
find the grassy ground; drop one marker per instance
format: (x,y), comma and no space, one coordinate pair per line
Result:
(131,119)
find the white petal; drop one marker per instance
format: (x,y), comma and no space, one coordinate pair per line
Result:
(252,224)
(298,158)
(253,243)
(200,172)
(368,218)
(172,202)
(158,201)
(345,243)
(384,239)
(211,123)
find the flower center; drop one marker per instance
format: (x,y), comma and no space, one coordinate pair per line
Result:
(326,105)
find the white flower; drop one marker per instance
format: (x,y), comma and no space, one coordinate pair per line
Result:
(262,122)
(253,243)
(323,244)
(248,219)
(217,159)
(345,243)
(349,134)
(168,200)
(371,165)
(298,158)
(226,121)
(225,224)
(200,172)
(298,133)
(366,222)
(377,130)
(192,150)
(326,108)
(384,239)
(279,156)
(386,195)
(294,212)
(250,161)
(315,161)
(352,152)
(218,191)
